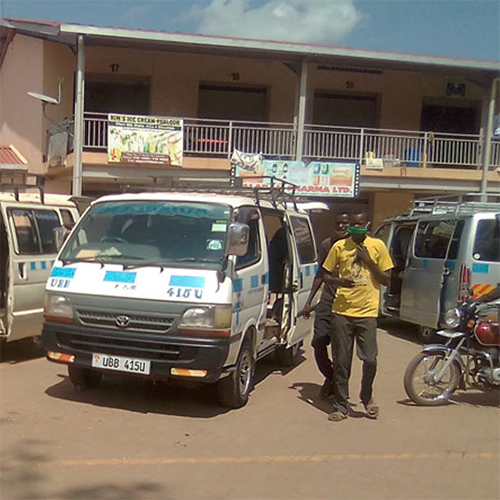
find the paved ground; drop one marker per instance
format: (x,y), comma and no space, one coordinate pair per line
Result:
(130,439)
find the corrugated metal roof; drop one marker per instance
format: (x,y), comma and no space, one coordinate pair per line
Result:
(67,32)
(11,157)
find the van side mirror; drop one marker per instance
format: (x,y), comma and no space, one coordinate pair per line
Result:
(59,234)
(238,237)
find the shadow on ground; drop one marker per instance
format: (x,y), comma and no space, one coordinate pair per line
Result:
(175,397)
(399,329)
(24,477)
(20,350)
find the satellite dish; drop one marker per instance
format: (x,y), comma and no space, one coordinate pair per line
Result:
(44,98)
(47,99)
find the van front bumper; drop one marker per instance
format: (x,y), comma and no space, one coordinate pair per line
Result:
(163,351)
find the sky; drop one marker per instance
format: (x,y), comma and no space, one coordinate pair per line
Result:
(455,28)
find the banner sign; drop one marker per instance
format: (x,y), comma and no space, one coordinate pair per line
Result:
(314,179)
(58,148)
(145,139)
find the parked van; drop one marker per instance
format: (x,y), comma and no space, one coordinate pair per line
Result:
(443,250)
(194,285)
(27,252)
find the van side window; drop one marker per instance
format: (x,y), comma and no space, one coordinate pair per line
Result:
(26,233)
(47,220)
(67,218)
(433,238)
(487,241)
(303,237)
(254,251)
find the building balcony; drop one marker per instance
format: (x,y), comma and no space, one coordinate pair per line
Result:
(455,159)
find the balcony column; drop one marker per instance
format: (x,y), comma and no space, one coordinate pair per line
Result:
(301,115)
(487,138)
(79,111)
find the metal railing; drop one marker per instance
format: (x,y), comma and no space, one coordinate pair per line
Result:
(219,138)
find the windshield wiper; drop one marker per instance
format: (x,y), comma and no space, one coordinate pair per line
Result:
(196,259)
(96,259)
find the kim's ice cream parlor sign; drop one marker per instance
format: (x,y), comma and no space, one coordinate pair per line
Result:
(145,139)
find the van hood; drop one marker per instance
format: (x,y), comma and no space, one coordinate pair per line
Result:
(149,283)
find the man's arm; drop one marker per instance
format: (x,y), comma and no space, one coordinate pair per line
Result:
(382,276)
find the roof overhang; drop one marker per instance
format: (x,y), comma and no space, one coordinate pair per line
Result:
(479,71)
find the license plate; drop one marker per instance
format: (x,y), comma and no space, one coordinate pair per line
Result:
(121,364)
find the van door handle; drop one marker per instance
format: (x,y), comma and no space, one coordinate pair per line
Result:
(22,270)
(446,272)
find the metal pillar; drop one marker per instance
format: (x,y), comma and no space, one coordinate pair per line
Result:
(487,138)
(302,111)
(79,110)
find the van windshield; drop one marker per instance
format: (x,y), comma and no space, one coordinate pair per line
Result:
(487,241)
(163,233)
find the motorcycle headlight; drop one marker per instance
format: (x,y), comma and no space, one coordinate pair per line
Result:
(58,308)
(453,318)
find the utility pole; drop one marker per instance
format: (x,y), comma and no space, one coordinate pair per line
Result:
(79,112)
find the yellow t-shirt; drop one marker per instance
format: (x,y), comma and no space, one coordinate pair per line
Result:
(361,301)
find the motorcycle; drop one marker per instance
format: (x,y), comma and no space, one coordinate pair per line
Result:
(470,356)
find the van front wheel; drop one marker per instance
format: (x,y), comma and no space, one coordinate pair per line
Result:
(235,388)
(84,378)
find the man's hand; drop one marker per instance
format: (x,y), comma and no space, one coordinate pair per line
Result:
(307,310)
(363,255)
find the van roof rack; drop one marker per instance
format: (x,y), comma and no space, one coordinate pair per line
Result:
(271,189)
(466,204)
(24,185)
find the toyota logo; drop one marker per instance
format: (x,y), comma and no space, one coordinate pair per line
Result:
(122,321)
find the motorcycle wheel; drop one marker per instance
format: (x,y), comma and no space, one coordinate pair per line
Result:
(420,387)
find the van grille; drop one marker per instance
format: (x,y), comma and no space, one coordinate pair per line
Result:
(121,345)
(138,323)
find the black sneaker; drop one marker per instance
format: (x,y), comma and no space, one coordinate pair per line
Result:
(326,389)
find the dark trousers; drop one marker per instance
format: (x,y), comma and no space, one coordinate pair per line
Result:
(345,330)
(322,338)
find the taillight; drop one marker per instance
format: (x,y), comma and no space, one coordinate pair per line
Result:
(463,284)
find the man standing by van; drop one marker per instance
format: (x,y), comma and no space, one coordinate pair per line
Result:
(363,263)
(323,310)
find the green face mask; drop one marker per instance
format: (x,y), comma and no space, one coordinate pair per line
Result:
(357,231)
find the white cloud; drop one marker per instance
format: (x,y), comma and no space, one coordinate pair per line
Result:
(305,21)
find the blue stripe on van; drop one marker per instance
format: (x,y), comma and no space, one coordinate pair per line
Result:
(308,271)
(33,266)
(451,265)
(316,267)
(187,281)
(43,264)
(266,279)
(480,268)
(254,281)
(120,276)
(237,285)
(63,272)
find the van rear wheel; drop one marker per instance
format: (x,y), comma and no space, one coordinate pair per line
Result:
(84,378)
(235,388)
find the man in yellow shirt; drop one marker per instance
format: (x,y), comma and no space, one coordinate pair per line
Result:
(363,264)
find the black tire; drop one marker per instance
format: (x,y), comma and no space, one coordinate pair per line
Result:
(426,334)
(234,389)
(288,356)
(84,378)
(422,366)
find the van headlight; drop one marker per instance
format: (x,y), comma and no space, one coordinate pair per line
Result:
(210,318)
(58,308)
(453,318)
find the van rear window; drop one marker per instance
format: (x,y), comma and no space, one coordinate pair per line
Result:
(487,241)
